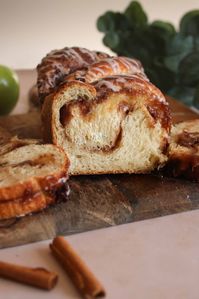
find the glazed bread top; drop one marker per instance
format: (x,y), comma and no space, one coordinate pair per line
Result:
(108,67)
(83,65)
(59,63)
(98,76)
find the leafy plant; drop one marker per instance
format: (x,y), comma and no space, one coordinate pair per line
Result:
(170,58)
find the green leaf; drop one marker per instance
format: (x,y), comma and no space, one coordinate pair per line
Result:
(120,22)
(105,22)
(161,34)
(141,46)
(189,24)
(163,28)
(164,78)
(180,44)
(172,62)
(136,15)
(177,48)
(189,70)
(112,40)
(112,21)
(170,58)
(184,94)
(196,44)
(196,97)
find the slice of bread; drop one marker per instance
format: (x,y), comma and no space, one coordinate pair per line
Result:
(184,150)
(23,206)
(33,203)
(118,124)
(31,168)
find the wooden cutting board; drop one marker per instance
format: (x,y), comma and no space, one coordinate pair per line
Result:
(97,201)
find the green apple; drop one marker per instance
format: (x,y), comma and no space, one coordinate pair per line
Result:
(9,89)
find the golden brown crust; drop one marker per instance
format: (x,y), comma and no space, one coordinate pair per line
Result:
(119,171)
(32,186)
(21,207)
(35,202)
(108,67)
(59,63)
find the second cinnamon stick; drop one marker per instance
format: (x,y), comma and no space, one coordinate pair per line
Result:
(84,280)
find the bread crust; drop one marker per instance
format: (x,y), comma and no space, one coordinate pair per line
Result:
(108,67)
(59,63)
(20,207)
(32,203)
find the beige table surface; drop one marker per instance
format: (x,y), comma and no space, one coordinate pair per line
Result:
(153,259)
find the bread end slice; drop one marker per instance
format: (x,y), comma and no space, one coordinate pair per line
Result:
(184,150)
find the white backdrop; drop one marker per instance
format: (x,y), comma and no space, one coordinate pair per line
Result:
(31,28)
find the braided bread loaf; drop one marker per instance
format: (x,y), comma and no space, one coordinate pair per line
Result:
(108,117)
(59,63)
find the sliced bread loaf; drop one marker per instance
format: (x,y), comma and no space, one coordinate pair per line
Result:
(119,124)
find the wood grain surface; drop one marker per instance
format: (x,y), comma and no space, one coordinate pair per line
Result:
(98,201)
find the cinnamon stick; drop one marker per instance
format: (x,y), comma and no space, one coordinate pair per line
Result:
(84,280)
(37,277)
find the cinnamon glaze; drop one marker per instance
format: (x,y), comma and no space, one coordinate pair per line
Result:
(59,63)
